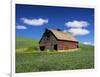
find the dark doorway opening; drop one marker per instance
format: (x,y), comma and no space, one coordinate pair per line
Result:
(55,47)
(42,48)
(77,46)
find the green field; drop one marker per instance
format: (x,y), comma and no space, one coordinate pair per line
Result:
(30,59)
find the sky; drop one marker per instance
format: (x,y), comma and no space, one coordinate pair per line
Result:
(32,20)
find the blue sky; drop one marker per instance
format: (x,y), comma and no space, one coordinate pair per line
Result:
(32,20)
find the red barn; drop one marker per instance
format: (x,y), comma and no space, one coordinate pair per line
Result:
(57,40)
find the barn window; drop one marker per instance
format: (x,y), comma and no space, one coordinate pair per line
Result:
(48,35)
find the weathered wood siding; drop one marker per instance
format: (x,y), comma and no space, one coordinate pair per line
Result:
(48,41)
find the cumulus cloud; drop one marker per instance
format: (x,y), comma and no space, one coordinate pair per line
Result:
(78,31)
(35,22)
(87,43)
(77,24)
(21,27)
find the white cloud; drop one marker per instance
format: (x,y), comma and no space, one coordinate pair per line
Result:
(35,22)
(21,27)
(87,43)
(64,31)
(77,24)
(78,31)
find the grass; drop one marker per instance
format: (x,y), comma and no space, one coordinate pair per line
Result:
(33,60)
(22,42)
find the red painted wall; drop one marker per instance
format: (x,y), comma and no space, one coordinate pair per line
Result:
(63,45)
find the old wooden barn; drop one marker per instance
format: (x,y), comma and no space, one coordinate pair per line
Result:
(57,40)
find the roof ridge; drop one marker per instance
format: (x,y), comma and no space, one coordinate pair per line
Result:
(62,35)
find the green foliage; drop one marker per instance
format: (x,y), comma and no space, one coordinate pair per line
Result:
(33,60)
(33,48)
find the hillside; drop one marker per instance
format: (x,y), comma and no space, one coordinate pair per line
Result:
(51,61)
(23,44)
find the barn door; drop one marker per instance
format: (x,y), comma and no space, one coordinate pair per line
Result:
(42,48)
(55,47)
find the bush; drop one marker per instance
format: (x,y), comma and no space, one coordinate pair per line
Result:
(32,48)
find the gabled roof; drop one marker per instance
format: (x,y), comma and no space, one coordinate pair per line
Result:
(62,35)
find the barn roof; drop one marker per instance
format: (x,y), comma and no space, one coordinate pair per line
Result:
(62,35)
